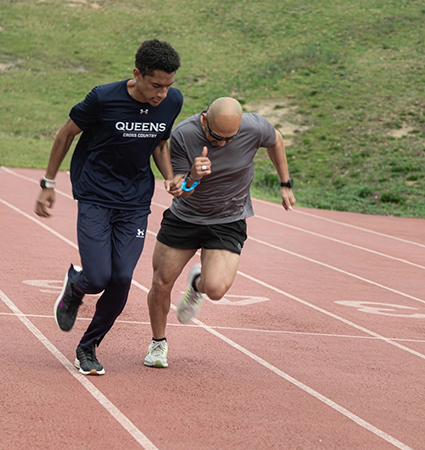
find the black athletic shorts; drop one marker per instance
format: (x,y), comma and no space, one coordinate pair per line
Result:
(185,235)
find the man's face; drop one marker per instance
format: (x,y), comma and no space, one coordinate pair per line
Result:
(223,130)
(154,88)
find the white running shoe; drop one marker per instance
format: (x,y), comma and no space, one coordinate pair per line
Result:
(157,354)
(189,303)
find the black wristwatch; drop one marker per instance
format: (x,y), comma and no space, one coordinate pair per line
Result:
(287,184)
(47,184)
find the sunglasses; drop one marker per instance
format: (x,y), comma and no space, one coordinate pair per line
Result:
(216,136)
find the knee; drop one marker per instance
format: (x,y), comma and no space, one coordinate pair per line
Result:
(161,285)
(215,293)
(121,279)
(95,282)
(159,296)
(98,286)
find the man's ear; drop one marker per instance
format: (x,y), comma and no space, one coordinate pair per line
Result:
(136,73)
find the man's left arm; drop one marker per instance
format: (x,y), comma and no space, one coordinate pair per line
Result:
(277,154)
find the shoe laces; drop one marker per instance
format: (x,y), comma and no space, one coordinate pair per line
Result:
(72,306)
(90,354)
(192,298)
(158,348)
(72,300)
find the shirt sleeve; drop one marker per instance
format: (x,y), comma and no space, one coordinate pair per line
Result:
(87,113)
(179,156)
(266,129)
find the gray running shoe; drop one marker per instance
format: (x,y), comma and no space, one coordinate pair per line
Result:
(68,302)
(157,354)
(189,303)
(87,362)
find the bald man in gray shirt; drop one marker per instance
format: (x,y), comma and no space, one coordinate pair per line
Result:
(214,154)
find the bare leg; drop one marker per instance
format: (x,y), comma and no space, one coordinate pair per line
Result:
(219,268)
(168,263)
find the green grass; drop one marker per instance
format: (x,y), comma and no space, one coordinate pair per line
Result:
(354,70)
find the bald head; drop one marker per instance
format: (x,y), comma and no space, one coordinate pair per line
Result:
(224,106)
(224,116)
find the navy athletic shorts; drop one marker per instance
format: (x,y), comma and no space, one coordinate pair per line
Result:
(185,235)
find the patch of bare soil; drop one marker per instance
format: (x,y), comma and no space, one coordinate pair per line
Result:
(284,118)
(6,66)
(77,3)
(400,132)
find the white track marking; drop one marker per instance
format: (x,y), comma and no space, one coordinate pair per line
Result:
(245,330)
(244,300)
(356,419)
(31,180)
(304,333)
(262,283)
(35,220)
(385,309)
(58,235)
(324,237)
(275,370)
(297,211)
(334,316)
(11,172)
(55,286)
(137,435)
(275,247)
(358,247)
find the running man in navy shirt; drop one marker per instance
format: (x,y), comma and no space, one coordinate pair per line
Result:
(123,124)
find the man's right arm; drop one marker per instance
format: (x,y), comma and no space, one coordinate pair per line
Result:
(201,166)
(60,148)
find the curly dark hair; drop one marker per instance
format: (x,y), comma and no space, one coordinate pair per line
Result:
(156,55)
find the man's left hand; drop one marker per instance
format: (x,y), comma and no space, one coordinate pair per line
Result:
(288,199)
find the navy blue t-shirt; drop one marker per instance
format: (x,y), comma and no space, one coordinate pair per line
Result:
(111,162)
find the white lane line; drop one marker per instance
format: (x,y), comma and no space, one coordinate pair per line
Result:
(305,333)
(356,419)
(31,180)
(11,172)
(334,316)
(282,374)
(137,435)
(227,328)
(264,284)
(275,370)
(336,269)
(35,220)
(366,230)
(332,267)
(322,236)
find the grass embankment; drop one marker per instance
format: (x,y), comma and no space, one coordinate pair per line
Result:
(353,69)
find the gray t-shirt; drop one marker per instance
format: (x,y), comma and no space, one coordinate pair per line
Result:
(223,196)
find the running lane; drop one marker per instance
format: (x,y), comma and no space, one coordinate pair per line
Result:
(313,347)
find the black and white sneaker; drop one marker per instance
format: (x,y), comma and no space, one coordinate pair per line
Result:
(86,361)
(68,302)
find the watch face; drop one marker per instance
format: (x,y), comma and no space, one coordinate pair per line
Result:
(46,184)
(287,184)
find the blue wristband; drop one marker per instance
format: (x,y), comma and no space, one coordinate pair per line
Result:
(191,188)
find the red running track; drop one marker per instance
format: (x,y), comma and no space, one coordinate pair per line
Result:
(319,344)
